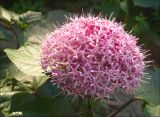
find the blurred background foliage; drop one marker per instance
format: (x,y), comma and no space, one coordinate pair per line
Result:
(23,94)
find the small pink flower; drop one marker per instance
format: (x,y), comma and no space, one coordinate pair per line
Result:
(91,56)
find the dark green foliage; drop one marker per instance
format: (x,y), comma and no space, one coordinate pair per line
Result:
(21,6)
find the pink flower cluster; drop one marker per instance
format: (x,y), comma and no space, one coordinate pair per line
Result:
(92,56)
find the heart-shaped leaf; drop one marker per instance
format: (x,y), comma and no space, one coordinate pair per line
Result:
(27,59)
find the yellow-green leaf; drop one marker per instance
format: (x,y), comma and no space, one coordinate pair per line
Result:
(27,59)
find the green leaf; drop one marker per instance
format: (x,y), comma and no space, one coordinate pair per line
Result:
(58,17)
(4,64)
(7,38)
(22,20)
(142,24)
(38,82)
(14,72)
(98,109)
(27,17)
(123,6)
(110,6)
(36,33)
(27,102)
(33,35)
(152,111)
(28,114)
(8,16)
(7,95)
(147,3)
(48,89)
(4,34)
(30,16)
(27,59)
(19,99)
(151,91)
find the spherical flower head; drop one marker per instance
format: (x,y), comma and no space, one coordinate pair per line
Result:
(92,56)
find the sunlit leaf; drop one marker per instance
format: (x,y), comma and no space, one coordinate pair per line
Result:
(7,15)
(30,16)
(13,72)
(152,111)
(27,59)
(27,17)
(28,114)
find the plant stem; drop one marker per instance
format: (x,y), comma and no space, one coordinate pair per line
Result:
(112,114)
